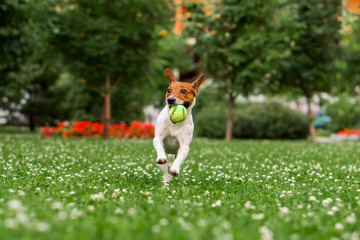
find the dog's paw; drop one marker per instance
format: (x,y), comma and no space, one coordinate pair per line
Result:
(166,179)
(174,172)
(161,161)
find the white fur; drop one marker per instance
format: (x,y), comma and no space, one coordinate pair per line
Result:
(168,131)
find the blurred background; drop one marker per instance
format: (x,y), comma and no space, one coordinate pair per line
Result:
(276,69)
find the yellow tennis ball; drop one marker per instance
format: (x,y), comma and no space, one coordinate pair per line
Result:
(177,113)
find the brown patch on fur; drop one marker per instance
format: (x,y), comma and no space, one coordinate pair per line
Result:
(177,88)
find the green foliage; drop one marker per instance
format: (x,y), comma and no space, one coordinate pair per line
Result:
(270,120)
(345,113)
(101,38)
(173,52)
(29,65)
(349,79)
(77,102)
(238,41)
(255,121)
(13,36)
(210,122)
(310,66)
(83,41)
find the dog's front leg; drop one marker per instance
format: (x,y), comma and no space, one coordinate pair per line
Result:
(181,156)
(161,159)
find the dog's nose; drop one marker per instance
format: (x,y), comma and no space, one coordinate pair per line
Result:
(171,100)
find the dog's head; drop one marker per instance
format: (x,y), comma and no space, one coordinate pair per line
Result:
(181,92)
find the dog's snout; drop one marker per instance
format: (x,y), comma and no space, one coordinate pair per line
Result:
(171,100)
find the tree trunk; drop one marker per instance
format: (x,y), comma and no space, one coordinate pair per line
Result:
(229,119)
(107,107)
(311,120)
(32,123)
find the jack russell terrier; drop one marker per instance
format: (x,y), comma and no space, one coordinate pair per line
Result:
(175,138)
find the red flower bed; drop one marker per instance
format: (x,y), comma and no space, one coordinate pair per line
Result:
(346,131)
(89,129)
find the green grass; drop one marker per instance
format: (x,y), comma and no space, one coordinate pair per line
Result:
(50,190)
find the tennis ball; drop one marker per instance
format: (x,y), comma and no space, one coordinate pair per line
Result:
(177,113)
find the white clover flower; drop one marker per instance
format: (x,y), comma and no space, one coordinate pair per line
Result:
(57,205)
(22,218)
(202,223)
(164,222)
(334,209)
(42,227)
(266,233)
(216,204)
(11,223)
(116,193)
(248,205)
(75,213)
(15,205)
(119,211)
(330,213)
(326,202)
(91,208)
(131,211)
(312,199)
(284,210)
(21,193)
(258,216)
(156,228)
(339,226)
(207,193)
(61,215)
(351,219)
(98,197)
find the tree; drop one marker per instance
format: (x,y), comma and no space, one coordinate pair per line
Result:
(239,41)
(28,65)
(310,68)
(109,44)
(349,78)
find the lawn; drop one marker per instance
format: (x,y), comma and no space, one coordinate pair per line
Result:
(53,188)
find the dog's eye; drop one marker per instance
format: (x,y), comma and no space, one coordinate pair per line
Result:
(183,91)
(169,90)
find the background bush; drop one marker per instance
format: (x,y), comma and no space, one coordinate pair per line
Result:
(345,113)
(256,120)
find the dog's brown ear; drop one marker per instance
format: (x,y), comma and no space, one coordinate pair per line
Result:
(169,75)
(197,83)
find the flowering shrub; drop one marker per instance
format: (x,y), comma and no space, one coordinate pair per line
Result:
(89,129)
(355,132)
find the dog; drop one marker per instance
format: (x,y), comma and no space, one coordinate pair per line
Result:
(175,138)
